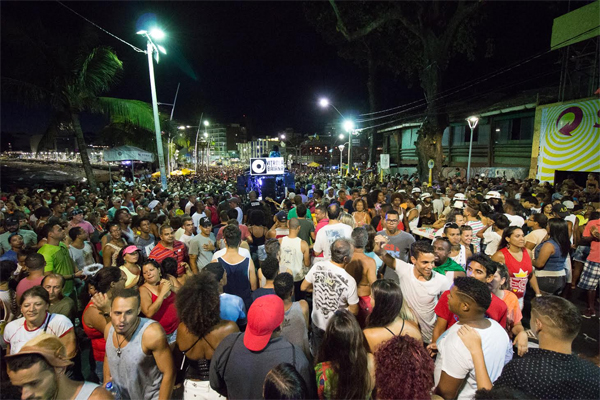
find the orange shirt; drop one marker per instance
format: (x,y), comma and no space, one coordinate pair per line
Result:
(514,315)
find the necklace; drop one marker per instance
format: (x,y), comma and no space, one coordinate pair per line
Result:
(119,343)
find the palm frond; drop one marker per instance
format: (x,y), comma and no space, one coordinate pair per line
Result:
(98,70)
(135,112)
(25,93)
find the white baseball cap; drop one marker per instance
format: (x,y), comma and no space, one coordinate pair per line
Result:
(492,194)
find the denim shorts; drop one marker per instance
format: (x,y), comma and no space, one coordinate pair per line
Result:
(581,253)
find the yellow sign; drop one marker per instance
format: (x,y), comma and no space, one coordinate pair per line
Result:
(569,138)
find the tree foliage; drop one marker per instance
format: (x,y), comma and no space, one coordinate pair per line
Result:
(69,75)
(414,39)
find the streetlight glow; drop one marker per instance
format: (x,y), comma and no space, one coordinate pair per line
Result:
(341,136)
(206,123)
(157,34)
(324,102)
(282,137)
(348,125)
(205,134)
(473,120)
(161,49)
(181,127)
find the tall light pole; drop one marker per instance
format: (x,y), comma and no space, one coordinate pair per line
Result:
(341,147)
(472,124)
(349,127)
(196,144)
(207,145)
(153,50)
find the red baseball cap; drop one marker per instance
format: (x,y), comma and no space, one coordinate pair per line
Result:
(265,315)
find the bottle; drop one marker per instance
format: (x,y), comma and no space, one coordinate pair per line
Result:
(113,390)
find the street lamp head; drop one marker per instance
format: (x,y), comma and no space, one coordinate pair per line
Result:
(206,123)
(157,34)
(161,49)
(324,103)
(341,136)
(472,120)
(142,32)
(282,137)
(348,125)
(205,134)
(341,147)
(181,127)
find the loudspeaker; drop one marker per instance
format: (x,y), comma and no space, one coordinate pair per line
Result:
(268,188)
(289,181)
(241,185)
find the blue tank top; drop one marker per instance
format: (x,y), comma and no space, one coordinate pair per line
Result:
(238,282)
(556,262)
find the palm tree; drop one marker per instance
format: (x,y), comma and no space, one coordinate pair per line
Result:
(78,90)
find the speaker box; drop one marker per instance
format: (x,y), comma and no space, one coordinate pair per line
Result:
(289,181)
(241,185)
(268,188)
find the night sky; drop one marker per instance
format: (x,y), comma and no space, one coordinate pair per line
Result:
(259,60)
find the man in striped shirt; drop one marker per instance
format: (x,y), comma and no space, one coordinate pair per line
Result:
(169,247)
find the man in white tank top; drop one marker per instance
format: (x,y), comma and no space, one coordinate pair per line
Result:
(294,253)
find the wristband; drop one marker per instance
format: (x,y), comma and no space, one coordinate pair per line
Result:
(538,295)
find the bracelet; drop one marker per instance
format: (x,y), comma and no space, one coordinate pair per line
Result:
(538,295)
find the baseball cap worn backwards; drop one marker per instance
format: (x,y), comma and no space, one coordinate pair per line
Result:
(265,315)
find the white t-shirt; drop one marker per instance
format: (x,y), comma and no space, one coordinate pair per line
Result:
(241,251)
(186,239)
(333,288)
(422,296)
(455,359)
(82,257)
(16,333)
(329,234)
(196,219)
(492,240)
(515,220)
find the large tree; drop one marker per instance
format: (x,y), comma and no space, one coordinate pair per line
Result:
(416,39)
(66,74)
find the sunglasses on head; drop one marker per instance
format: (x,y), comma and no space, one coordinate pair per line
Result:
(452,225)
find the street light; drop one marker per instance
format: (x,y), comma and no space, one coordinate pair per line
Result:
(473,120)
(341,147)
(282,137)
(349,127)
(206,124)
(153,50)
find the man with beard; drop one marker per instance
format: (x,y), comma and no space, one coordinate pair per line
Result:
(138,359)
(39,371)
(443,263)
(169,247)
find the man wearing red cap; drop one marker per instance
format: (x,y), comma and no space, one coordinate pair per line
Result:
(241,361)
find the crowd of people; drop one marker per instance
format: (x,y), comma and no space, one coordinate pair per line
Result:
(342,288)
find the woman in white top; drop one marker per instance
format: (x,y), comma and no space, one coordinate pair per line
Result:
(412,213)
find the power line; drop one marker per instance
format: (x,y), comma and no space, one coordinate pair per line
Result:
(484,78)
(475,96)
(102,29)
